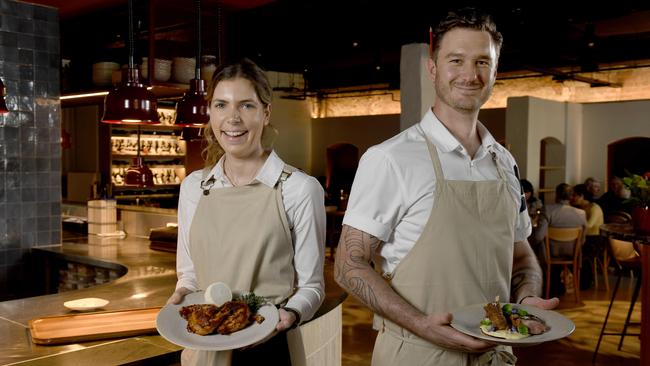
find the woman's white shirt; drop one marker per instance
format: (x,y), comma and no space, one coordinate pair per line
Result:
(303,199)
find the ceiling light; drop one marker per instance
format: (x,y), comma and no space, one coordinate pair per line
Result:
(138,174)
(192,109)
(355,44)
(130,102)
(3,105)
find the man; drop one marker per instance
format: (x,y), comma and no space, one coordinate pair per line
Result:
(593,186)
(438,208)
(560,214)
(615,198)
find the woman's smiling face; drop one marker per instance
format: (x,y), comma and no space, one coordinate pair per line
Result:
(238,117)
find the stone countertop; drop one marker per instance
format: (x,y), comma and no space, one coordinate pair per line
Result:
(149,281)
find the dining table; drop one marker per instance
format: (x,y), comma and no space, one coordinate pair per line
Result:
(628,232)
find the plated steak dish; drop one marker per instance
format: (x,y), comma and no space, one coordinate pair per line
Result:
(510,322)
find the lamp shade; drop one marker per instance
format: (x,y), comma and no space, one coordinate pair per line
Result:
(3,105)
(130,102)
(192,109)
(139,174)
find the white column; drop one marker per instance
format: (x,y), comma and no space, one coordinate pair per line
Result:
(416,88)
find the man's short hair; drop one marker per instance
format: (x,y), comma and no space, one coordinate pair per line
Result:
(563,192)
(470,18)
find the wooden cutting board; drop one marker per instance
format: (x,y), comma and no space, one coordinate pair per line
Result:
(93,326)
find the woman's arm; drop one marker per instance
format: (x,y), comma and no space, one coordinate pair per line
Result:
(307,215)
(184,266)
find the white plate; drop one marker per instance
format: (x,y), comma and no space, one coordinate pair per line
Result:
(468,319)
(173,328)
(85,304)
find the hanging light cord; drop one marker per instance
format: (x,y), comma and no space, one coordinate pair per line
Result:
(131,48)
(198,40)
(138,150)
(219,31)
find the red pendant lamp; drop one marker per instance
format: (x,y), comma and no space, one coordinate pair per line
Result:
(3,105)
(138,174)
(192,109)
(131,102)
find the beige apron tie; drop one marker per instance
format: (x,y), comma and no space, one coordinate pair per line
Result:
(496,357)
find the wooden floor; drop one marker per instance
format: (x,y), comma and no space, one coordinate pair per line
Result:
(577,349)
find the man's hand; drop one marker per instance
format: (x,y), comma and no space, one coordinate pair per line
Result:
(178,295)
(546,304)
(436,329)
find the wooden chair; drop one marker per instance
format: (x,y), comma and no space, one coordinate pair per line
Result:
(626,258)
(566,236)
(602,260)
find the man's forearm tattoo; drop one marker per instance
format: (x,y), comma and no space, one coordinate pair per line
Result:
(349,270)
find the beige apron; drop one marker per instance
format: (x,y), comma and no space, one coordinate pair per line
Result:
(463,256)
(240,236)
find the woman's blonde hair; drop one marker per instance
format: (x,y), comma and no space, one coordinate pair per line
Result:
(248,70)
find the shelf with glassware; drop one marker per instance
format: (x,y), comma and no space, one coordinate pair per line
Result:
(161,149)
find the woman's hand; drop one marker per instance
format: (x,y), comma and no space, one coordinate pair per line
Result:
(287,319)
(178,295)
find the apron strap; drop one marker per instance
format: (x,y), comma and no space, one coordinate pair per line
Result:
(502,175)
(286,172)
(437,167)
(206,184)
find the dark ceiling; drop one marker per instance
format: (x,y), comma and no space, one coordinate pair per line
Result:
(347,43)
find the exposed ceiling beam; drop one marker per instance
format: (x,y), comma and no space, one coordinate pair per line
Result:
(562,76)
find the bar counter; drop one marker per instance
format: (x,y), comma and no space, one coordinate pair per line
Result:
(148,282)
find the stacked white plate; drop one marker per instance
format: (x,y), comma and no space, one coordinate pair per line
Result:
(184,69)
(103,72)
(162,69)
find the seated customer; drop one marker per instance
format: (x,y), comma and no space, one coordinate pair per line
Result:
(532,203)
(593,246)
(559,214)
(615,197)
(593,186)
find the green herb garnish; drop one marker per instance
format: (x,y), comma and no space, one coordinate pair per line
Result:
(253,301)
(486,322)
(522,329)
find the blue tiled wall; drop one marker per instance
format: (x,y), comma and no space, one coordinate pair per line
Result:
(30,149)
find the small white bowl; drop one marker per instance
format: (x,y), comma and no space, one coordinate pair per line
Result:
(86,304)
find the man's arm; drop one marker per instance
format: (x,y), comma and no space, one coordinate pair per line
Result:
(526,286)
(354,273)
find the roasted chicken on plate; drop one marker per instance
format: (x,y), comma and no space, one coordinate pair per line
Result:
(204,319)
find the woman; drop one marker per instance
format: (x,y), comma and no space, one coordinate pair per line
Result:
(594,246)
(248,219)
(533,203)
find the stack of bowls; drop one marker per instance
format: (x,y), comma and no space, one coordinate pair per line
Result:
(103,72)
(208,66)
(184,69)
(162,69)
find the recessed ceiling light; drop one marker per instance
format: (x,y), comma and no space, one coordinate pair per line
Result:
(355,44)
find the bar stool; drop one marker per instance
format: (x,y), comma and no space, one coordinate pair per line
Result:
(626,258)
